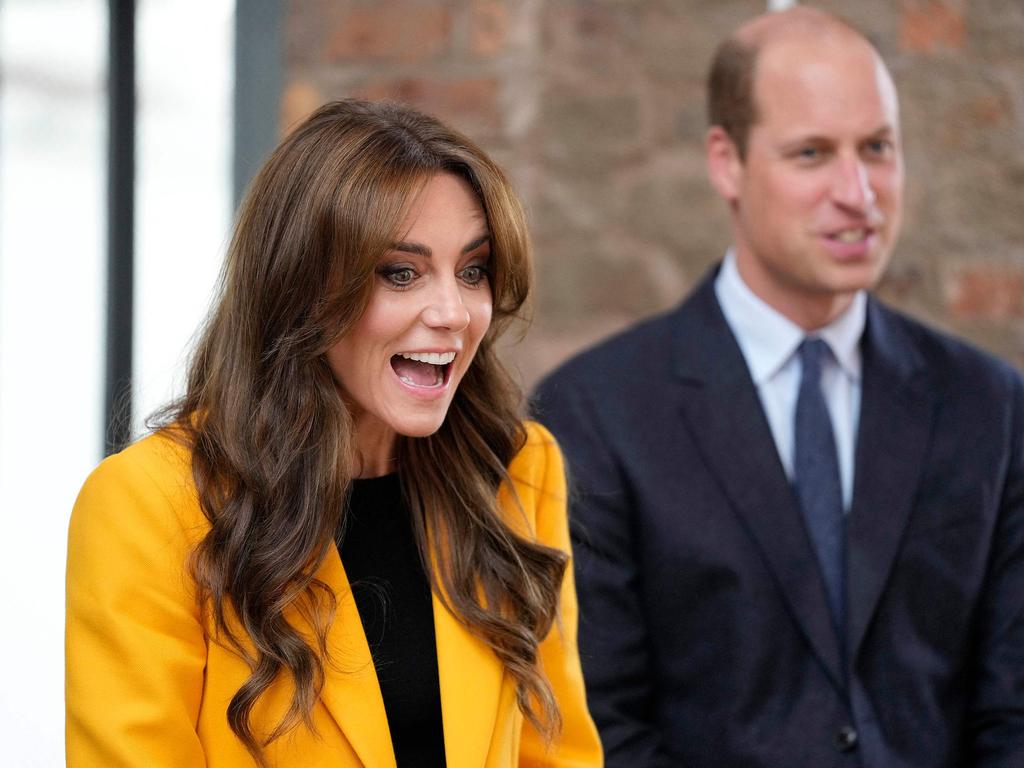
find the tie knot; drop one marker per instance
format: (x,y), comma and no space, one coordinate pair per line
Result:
(812,352)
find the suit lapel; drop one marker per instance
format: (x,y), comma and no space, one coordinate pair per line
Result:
(470,676)
(351,692)
(897,408)
(728,424)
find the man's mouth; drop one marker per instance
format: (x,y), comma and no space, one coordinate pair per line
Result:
(851,235)
(423,369)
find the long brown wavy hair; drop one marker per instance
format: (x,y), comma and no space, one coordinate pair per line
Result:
(272,444)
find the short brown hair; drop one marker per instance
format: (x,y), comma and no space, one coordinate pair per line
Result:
(731,102)
(731,90)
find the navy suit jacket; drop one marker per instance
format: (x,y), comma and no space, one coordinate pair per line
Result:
(705,629)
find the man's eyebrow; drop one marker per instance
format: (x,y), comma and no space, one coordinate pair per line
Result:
(812,139)
(825,139)
(421,250)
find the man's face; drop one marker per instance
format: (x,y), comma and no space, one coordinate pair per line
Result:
(817,201)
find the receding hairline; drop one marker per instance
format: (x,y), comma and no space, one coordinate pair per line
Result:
(796,22)
(735,70)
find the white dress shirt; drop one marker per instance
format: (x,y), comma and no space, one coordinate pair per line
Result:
(769,341)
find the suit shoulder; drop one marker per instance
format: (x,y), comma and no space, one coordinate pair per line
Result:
(955,362)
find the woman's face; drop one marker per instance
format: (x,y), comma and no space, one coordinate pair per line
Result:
(399,366)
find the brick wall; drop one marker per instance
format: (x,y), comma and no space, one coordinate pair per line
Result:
(596,109)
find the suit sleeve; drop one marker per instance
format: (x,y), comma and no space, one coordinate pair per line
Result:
(134,643)
(578,745)
(996,719)
(614,641)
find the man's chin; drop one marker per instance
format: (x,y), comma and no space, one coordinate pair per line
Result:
(855,275)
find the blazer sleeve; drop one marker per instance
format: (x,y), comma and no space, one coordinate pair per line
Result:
(134,643)
(996,717)
(614,637)
(578,744)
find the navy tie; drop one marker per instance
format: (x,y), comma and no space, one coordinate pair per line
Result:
(816,469)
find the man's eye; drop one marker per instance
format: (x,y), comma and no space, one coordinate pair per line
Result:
(880,147)
(399,276)
(473,275)
(809,153)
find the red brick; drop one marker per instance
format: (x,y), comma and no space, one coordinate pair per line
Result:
(987,292)
(390,31)
(929,25)
(598,106)
(469,104)
(489,23)
(990,111)
(298,101)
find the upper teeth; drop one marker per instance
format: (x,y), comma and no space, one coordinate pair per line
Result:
(851,235)
(434,358)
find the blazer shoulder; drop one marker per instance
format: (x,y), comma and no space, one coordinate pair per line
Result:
(536,495)
(160,455)
(152,478)
(538,464)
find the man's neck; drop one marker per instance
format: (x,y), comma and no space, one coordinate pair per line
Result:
(810,311)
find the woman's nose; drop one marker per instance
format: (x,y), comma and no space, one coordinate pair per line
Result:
(446,309)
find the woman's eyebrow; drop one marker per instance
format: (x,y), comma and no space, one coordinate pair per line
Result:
(476,243)
(421,250)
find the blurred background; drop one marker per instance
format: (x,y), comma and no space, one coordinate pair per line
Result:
(128,130)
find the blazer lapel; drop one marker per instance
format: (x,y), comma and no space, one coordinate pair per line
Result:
(469,673)
(351,692)
(728,424)
(470,676)
(897,408)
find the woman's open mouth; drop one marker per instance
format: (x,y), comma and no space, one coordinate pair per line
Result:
(426,370)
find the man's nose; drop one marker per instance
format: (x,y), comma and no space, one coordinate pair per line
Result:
(445,308)
(852,186)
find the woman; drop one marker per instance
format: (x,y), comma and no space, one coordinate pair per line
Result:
(345,396)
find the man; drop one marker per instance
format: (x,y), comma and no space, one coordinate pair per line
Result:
(799,515)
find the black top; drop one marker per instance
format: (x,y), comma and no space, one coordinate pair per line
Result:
(392,594)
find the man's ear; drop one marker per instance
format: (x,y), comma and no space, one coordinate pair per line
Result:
(724,164)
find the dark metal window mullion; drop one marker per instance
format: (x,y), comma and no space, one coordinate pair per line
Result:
(120,225)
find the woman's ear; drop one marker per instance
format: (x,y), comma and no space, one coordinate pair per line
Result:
(724,164)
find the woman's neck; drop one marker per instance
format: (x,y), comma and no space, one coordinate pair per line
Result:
(375,448)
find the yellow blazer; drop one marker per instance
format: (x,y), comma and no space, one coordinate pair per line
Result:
(146,686)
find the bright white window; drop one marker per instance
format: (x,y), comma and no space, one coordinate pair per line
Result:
(52,257)
(53,191)
(183,183)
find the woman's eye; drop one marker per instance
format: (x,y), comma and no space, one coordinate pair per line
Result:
(473,275)
(399,276)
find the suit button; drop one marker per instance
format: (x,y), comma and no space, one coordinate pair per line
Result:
(845,739)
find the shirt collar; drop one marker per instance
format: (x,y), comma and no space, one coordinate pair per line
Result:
(844,333)
(768,338)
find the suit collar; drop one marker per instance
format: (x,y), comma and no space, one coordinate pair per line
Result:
(897,410)
(728,425)
(768,339)
(727,422)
